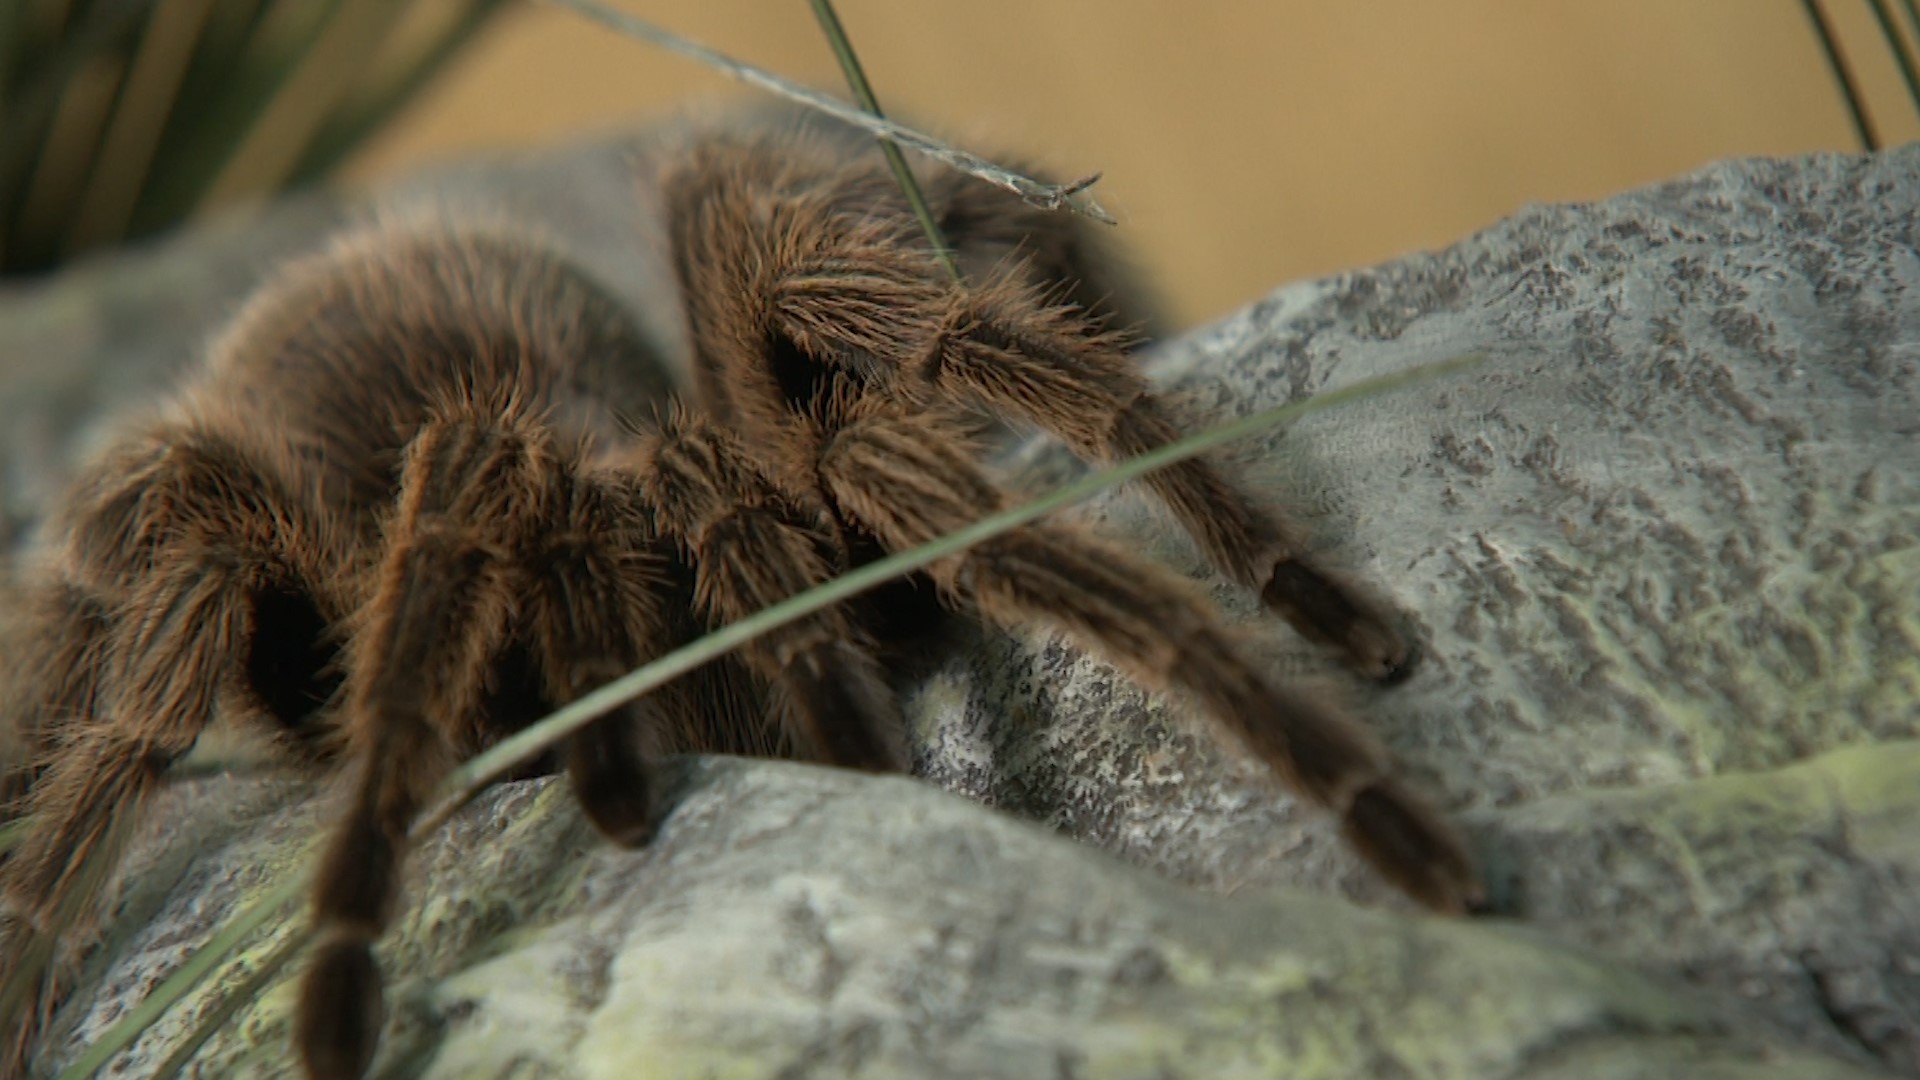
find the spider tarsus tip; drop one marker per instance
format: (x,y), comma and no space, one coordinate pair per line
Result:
(1377,650)
(1397,665)
(1452,891)
(629,833)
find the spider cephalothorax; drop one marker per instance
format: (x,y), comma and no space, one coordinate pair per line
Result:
(408,504)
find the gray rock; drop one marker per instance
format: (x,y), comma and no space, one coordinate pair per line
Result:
(795,921)
(1662,547)
(1661,551)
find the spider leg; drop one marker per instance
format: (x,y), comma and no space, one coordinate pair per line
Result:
(751,547)
(895,476)
(55,635)
(1003,346)
(604,601)
(440,613)
(171,541)
(498,538)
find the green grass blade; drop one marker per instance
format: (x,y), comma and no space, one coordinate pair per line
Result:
(1050,196)
(345,131)
(198,966)
(271,148)
(1897,44)
(227,100)
(154,74)
(495,762)
(236,999)
(482,770)
(1843,74)
(863,93)
(40,69)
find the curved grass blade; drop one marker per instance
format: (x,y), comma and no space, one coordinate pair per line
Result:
(1897,44)
(863,93)
(368,110)
(236,999)
(504,756)
(1047,196)
(1843,74)
(125,154)
(202,963)
(470,778)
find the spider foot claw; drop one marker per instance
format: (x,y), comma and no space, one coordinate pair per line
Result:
(338,1025)
(1329,612)
(611,783)
(623,816)
(1415,848)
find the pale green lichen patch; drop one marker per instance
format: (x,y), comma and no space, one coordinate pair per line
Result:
(1878,792)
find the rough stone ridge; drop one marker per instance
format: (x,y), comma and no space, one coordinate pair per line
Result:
(1662,550)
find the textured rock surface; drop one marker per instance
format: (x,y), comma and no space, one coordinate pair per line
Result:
(1663,549)
(793,921)
(1667,534)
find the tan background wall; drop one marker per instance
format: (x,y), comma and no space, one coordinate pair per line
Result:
(1244,143)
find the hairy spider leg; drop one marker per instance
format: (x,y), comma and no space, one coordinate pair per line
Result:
(752,546)
(769,263)
(885,472)
(499,538)
(173,540)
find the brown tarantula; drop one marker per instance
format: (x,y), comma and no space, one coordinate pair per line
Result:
(407,506)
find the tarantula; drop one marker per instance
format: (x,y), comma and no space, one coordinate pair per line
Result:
(406,506)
